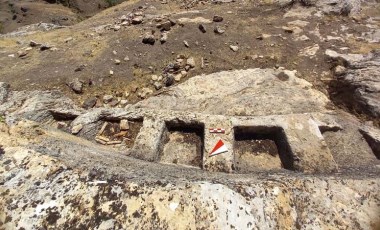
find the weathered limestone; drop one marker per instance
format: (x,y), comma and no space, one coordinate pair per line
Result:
(307,150)
(67,174)
(249,93)
(360,79)
(131,193)
(253,92)
(149,139)
(4,90)
(372,136)
(339,7)
(248,98)
(222,162)
(38,106)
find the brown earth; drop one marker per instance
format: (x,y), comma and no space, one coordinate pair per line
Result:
(15,14)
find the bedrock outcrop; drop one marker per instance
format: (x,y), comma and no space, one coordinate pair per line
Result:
(52,177)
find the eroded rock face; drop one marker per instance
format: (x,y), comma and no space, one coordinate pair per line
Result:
(360,82)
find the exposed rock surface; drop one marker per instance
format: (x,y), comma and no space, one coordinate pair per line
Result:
(61,195)
(76,85)
(68,175)
(372,135)
(38,106)
(4,90)
(246,92)
(215,132)
(341,7)
(360,81)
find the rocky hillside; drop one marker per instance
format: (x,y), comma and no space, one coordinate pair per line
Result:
(15,14)
(193,115)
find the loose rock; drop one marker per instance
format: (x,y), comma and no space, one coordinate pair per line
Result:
(154,77)
(22,54)
(157,85)
(149,39)
(76,85)
(107,98)
(190,62)
(283,76)
(34,44)
(124,125)
(202,28)
(164,38)
(234,48)
(114,102)
(137,20)
(166,26)
(145,92)
(45,47)
(178,77)
(89,103)
(219,30)
(80,68)
(123,103)
(217,18)
(168,80)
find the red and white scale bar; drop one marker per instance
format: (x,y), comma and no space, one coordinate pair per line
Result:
(217,130)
